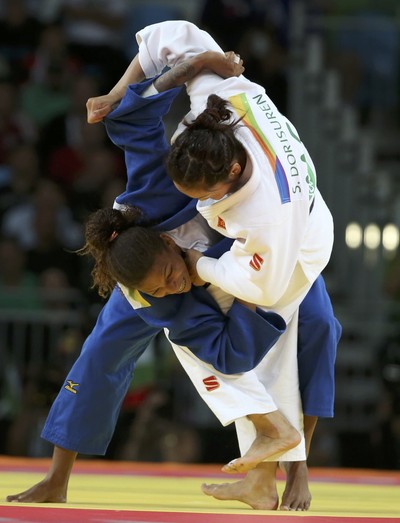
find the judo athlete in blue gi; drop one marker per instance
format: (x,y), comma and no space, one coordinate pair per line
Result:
(84,414)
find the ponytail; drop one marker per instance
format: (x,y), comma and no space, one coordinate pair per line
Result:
(204,152)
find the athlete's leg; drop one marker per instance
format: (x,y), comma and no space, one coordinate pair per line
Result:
(319,334)
(263,432)
(278,374)
(83,416)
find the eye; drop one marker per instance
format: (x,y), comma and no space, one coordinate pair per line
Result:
(168,273)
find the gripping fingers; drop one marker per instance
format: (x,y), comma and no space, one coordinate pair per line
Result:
(233,57)
(236,63)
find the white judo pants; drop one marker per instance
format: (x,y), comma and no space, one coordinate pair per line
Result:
(272,385)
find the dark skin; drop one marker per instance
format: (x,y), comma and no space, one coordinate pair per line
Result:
(168,274)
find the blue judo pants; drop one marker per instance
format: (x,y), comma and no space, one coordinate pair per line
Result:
(84,414)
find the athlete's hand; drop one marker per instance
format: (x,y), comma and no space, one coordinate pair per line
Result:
(191,258)
(224,64)
(98,107)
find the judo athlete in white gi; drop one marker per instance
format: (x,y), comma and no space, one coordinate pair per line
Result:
(267,195)
(83,421)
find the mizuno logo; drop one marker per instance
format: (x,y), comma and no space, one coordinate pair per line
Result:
(211,383)
(256,262)
(70,386)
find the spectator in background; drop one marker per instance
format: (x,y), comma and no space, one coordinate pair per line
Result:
(21,173)
(227,20)
(48,97)
(15,125)
(19,37)
(19,287)
(94,33)
(266,61)
(257,30)
(66,129)
(366,50)
(52,49)
(84,166)
(46,229)
(102,166)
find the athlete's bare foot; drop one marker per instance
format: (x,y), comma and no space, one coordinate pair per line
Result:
(275,435)
(296,495)
(53,488)
(257,489)
(42,492)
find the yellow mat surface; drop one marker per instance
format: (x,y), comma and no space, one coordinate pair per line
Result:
(169,488)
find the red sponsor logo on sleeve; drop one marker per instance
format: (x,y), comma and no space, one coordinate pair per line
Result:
(211,383)
(221,223)
(256,262)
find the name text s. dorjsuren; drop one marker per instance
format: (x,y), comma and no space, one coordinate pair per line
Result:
(285,132)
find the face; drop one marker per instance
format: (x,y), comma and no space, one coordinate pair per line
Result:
(168,274)
(199,192)
(216,192)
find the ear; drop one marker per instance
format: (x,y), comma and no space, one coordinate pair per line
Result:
(168,241)
(235,171)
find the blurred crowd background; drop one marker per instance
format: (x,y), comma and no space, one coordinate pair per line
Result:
(332,66)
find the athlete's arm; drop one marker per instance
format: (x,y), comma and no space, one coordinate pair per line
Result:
(98,107)
(166,44)
(172,42)
(223,64)
(232,343)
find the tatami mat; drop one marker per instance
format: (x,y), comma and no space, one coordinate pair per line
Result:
(108,492)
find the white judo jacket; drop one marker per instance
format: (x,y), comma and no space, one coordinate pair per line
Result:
(282,228)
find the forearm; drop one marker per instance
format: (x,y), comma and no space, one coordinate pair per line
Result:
(179,74)
(133,74)
(223,64)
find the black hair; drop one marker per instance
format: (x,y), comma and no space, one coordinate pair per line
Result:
(204,152)
(123,251)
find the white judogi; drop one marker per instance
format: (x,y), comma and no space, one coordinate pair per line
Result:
(282,227)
